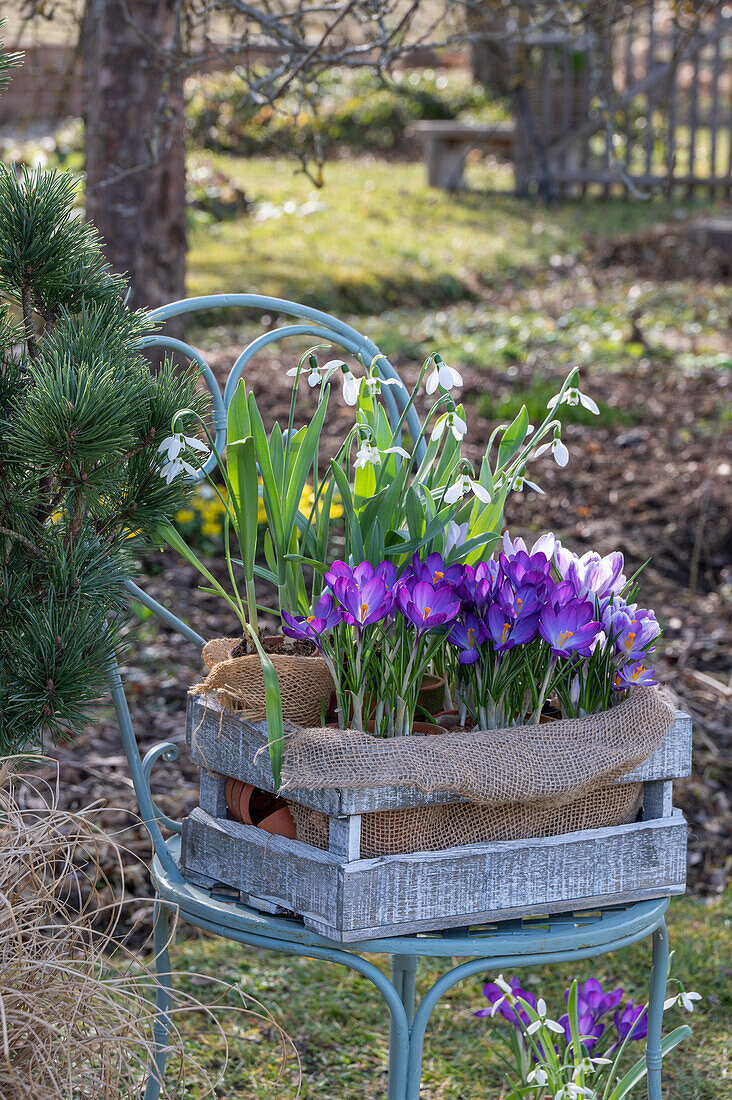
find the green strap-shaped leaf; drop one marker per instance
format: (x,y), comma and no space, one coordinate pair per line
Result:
(637,1072)
(513,438)
(273,706)
(237,427)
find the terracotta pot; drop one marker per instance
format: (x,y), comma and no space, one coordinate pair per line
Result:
(431,693)
(251,806)
(448,719)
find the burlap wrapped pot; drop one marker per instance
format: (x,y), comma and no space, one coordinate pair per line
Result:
(306,685)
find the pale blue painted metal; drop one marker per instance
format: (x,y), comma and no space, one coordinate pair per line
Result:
(512,943)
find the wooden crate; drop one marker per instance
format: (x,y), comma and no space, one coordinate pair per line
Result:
(348,898)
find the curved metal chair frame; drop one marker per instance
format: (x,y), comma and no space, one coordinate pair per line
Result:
(512,943)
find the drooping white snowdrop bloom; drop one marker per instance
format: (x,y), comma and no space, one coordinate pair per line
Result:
(466,484)
(450,420)
(573,396)
(443,376)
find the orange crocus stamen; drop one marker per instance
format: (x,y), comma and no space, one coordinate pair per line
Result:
(310,618)
(471,637)
(563,637)
(439,575)
(630,640)
(364,611)
(425,613)
(506,628)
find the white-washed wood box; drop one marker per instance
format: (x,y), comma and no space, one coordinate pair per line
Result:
(347,898)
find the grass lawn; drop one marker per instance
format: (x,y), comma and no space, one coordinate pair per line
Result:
(376,236)
(340,1026)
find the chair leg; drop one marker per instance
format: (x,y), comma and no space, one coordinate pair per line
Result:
(659,976)
(161,1027)
(403,973)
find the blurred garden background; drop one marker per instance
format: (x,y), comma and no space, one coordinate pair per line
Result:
(321,196)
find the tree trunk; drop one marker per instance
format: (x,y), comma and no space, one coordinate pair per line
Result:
(134,143)
(491,57)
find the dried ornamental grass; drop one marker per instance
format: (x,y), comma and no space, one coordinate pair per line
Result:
(76,1005)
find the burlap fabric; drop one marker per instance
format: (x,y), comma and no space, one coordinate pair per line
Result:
(519,782)
(305,683)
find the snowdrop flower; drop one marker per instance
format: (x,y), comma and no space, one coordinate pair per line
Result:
(351,386)
(374,382)
(686,1000)
(537,1076)
(174,444)
(521,481)
(314,375)
(450,420)
(543,1020)
(368,453)
(587,1065)
(171,470)
(503,984)
(571,1092)
(172,448)
(572,396)
(443,376)
(558,449)
(463,485)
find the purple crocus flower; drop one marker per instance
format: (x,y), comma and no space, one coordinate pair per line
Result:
(496,996)
(524,568)
(325,616)
(590,1030)
(425,605)
(527,599)
(632,1022)
(591,998)
(590,574)
(468,635)
(634,635)
(633,675)
(435,572)
(506,632)
(568,629)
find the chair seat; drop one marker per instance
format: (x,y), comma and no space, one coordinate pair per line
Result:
(598,929)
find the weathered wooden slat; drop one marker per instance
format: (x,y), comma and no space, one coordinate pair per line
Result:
(657,799)
(427,890)
(227,745)
(481,882)
(282,872)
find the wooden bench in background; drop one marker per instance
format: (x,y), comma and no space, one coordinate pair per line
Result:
(447,143)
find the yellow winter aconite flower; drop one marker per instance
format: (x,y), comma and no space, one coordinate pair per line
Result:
(212,530)
(184,515)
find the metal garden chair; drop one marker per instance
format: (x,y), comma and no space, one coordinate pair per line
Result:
(511,943)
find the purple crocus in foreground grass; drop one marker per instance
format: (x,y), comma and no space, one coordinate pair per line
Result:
(632,1022)
(325,616)
(498,1003)
(569,629)
(426,606)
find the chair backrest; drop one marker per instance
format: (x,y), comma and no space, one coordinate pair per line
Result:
(309,322)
